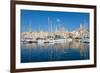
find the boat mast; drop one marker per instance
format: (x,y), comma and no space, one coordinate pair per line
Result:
(81,31)
(49,24)
(30,28)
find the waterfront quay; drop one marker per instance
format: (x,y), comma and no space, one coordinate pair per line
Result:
(60,35)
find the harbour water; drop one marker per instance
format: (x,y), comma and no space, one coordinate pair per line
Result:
(68,51)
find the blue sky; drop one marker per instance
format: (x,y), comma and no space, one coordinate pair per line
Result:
(39,20)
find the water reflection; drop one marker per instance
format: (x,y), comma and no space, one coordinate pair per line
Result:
(74,50)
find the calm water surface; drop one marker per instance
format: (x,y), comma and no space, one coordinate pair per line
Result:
(54,52)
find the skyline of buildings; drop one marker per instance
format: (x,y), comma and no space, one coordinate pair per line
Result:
(79,33)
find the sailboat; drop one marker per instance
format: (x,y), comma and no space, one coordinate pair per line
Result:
(53,38)
(85,35)
(29,38)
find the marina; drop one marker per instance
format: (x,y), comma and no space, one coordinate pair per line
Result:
(54,36)
(60,35)
(58,45)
